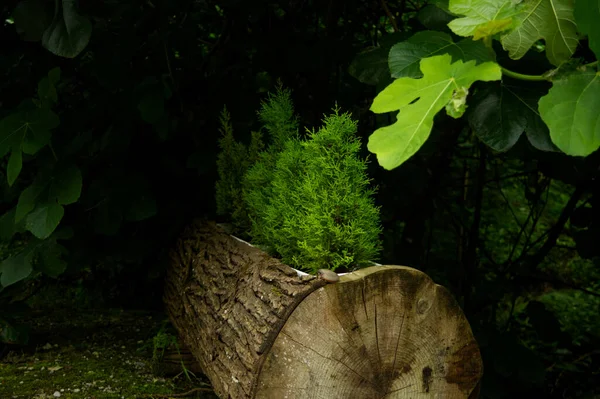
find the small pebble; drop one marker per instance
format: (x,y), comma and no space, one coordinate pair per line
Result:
(328,275)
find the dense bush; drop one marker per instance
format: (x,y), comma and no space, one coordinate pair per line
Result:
(308,201)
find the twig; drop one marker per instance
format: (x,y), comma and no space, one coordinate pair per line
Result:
(390,15)
(533,260)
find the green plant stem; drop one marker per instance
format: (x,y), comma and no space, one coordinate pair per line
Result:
(487,41)
(520,76)
(53,152)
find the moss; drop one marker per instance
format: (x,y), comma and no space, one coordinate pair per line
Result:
(87,355)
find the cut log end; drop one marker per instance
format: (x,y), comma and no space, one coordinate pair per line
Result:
(381,332)
(260,331)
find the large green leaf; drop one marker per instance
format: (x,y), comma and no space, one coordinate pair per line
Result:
(483,18)
(501,112)
(405,56)
(433,17)
(50,260)
(15,164)
(9,133)
(44,219)
(551,20)
(371,66)
(31,19)
(47,87)
(69,32)
(419,100)
(16,268)
(66,185)
(571,109)
(152,106)
(496,117)
(142,207)
(587,16)
(28,198)
(7,225)
(27,131)
(37,125)
(29,128)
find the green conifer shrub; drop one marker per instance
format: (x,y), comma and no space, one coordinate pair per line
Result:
(321,213)
(279,120)
(307,201)
(233,162)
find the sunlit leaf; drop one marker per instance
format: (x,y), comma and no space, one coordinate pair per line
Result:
(571,111)
(69,32)
(483,18)
(405,56)
(419,100)
(551,20)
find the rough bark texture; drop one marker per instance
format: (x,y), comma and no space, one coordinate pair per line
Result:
(228,301)
(260,331)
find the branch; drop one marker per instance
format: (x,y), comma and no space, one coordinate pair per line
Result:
(530,262)
(557,283)
(390,15)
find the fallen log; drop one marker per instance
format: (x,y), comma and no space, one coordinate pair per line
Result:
(260,330)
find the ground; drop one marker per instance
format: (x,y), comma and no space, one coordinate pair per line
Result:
(92,355)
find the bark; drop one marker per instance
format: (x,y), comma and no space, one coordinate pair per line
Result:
(260,331)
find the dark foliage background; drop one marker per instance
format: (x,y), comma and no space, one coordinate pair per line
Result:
(513,235)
